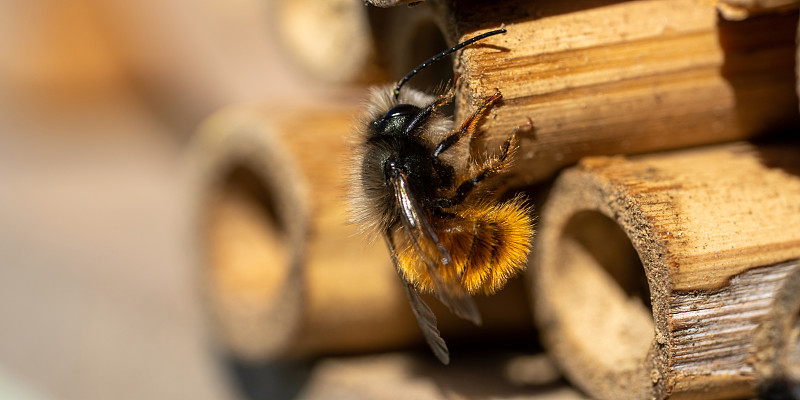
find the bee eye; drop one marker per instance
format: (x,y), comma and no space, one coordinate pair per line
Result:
(395,119)
(401,110)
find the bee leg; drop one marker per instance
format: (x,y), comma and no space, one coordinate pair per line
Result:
(430,109)
(493,166)
(443,99)
(444,171)
(468,127)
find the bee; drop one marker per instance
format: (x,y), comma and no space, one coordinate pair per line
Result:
(413,182)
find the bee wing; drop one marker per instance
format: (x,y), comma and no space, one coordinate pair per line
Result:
(450,293)
(427,323)
(425,317)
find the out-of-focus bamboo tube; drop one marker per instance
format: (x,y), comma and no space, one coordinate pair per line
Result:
(652,274)
(346,41)
(741,9)
(284,273)
(331,39)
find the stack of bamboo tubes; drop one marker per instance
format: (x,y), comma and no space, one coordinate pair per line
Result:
(667,257)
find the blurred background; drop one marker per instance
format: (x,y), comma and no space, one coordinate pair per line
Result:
(98,100)
(101,296)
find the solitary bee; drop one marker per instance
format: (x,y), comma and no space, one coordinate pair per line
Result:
(414,182)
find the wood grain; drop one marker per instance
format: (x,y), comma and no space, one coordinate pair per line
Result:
(602,77)
(653,273)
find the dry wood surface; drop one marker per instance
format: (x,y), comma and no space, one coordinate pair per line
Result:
(652,274)
(599,77)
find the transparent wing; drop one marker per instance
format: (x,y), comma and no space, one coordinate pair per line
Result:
(425,317)
(434,255)
(427,323)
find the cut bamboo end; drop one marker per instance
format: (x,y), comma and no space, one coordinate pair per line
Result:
(346,42)
(777,358)
(251,225)
(740,9)
(712,227)
(331,40)
(602,77)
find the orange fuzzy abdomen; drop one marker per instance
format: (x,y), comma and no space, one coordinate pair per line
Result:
(489,244)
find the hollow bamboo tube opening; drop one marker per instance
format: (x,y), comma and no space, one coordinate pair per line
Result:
(341,41)
(789,345)
(777,359)
(249,260)
(331,40)
(791,354)
(424,40)
(248,248)
(249,237)
(603,289)
(592,302)
(713,228)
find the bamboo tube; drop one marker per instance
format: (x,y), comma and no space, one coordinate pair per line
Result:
(332,39)
(777,358)
(283,272)
(389,3)
(599,77)
(401,376)
(653,273)
(652,76)
(346,42)
(741,9)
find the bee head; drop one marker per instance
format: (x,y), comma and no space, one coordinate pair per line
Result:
(396,120)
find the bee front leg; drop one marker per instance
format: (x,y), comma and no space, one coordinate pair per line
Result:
(468,127)
(492,167)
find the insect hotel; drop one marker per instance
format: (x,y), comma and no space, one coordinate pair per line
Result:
(662,162)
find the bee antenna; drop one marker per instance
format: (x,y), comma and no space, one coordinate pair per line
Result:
(442,55)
